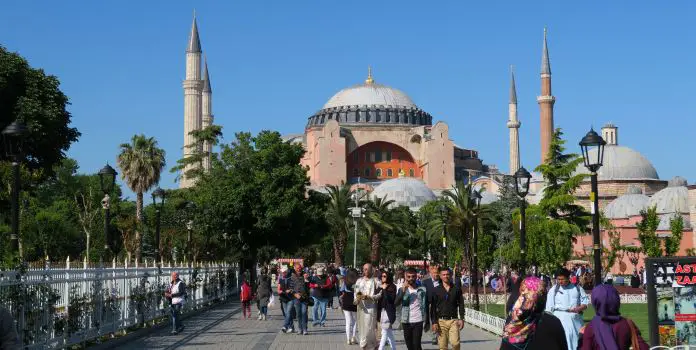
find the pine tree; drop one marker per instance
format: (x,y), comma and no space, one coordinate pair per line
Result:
(672,243)
(561,180)
(194,160)
(501,212)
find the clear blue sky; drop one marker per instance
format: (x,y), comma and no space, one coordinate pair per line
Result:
(273,64)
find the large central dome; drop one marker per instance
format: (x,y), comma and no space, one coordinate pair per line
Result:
(622,163)
(371,103)
(370,94)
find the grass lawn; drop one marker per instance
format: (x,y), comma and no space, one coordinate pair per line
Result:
(636,312)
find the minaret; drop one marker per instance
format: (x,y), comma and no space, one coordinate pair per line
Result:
(546,101)
(207,113)
(513,124)
(192,94)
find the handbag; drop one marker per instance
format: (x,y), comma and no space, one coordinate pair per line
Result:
(635,341)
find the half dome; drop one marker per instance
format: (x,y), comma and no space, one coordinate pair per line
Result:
(621,163)
(406,191)
(627,206)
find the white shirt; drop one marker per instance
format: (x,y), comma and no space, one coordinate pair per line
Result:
(414,306)
(175,289)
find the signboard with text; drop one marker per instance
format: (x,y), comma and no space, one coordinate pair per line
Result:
(672,300)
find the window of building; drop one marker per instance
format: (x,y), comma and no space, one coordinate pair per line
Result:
(411,173)
(388,156)
(389,173)
(378,172)
(355,156)
(367,172)
(356,172)
(378,156)
(367,157)
(372,156)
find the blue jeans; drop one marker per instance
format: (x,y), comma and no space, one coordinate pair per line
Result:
(319,311)
(264,310)
(300,310)
(174,312)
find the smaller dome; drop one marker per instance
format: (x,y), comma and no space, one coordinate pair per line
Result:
(666,219)
(487,197)
(407,191)
(677,181)
(671,199)
(627,205)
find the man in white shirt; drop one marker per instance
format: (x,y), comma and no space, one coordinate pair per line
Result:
(567,302)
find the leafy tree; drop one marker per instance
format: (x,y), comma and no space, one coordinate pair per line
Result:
(397,243)
(461,216)
(141,163)
(615,250)
(673,242)
(561,181)
(29,95)
(191,166)
(649,241)
(501,217)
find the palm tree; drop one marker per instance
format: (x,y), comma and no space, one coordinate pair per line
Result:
(462,214)
(338,218)
(378,219)
(141,163)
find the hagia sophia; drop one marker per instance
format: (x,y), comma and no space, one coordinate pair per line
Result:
(376,137)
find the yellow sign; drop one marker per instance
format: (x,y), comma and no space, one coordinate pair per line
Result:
(592,196)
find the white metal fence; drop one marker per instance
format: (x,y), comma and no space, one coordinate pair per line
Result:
(485,321)
(60,306)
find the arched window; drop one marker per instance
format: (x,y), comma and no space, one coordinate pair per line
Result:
(378,172)
(356,172)
(411,173)
(389,173)
(367,172)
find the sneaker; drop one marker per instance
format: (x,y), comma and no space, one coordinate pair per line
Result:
(286,330)
(349,342)
(353,340)
(174,333)
(260,317)
(305,333)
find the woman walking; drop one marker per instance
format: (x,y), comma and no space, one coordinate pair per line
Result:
(528,326)
(263,293)
(386,310)
(349,308)
(608,330)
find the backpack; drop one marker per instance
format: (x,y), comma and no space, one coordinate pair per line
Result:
(245,295)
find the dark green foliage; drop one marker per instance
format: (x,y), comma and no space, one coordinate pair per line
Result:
(673,242)
(646,232)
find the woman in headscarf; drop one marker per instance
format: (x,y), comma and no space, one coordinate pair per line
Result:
(608,330)
(528,326)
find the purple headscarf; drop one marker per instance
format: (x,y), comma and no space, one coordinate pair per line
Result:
(606,302)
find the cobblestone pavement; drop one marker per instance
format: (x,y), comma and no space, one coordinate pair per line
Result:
(223,328)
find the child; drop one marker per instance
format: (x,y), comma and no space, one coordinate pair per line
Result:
(245,297)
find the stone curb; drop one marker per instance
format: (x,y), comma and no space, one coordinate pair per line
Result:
(113,343)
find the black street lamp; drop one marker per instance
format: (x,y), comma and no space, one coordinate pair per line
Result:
(476,200)
(444,216)
(13,136)
(107,180)
(522,180)
(158,193)
(592,146)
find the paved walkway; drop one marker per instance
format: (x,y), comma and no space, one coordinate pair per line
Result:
(223,328)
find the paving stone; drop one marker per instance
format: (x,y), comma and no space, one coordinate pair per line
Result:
(223,328)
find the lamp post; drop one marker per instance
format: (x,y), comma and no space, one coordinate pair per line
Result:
(190,208)
(476,200)
(592,146)
(107,180)
(356,212)
(522,179)
(13,136)
(444,216)
(158,193)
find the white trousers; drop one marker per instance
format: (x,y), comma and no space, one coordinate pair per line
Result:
(351,326)
(387,334)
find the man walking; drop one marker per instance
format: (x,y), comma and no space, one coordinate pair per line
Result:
(365,298)
(430,283)
(176,294)
(321,292)
(412,301)
(297,290)
(567,302)
(447,311)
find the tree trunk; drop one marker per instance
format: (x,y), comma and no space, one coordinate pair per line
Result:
(139,220)
(339,247)
(374,247)
(88,237)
